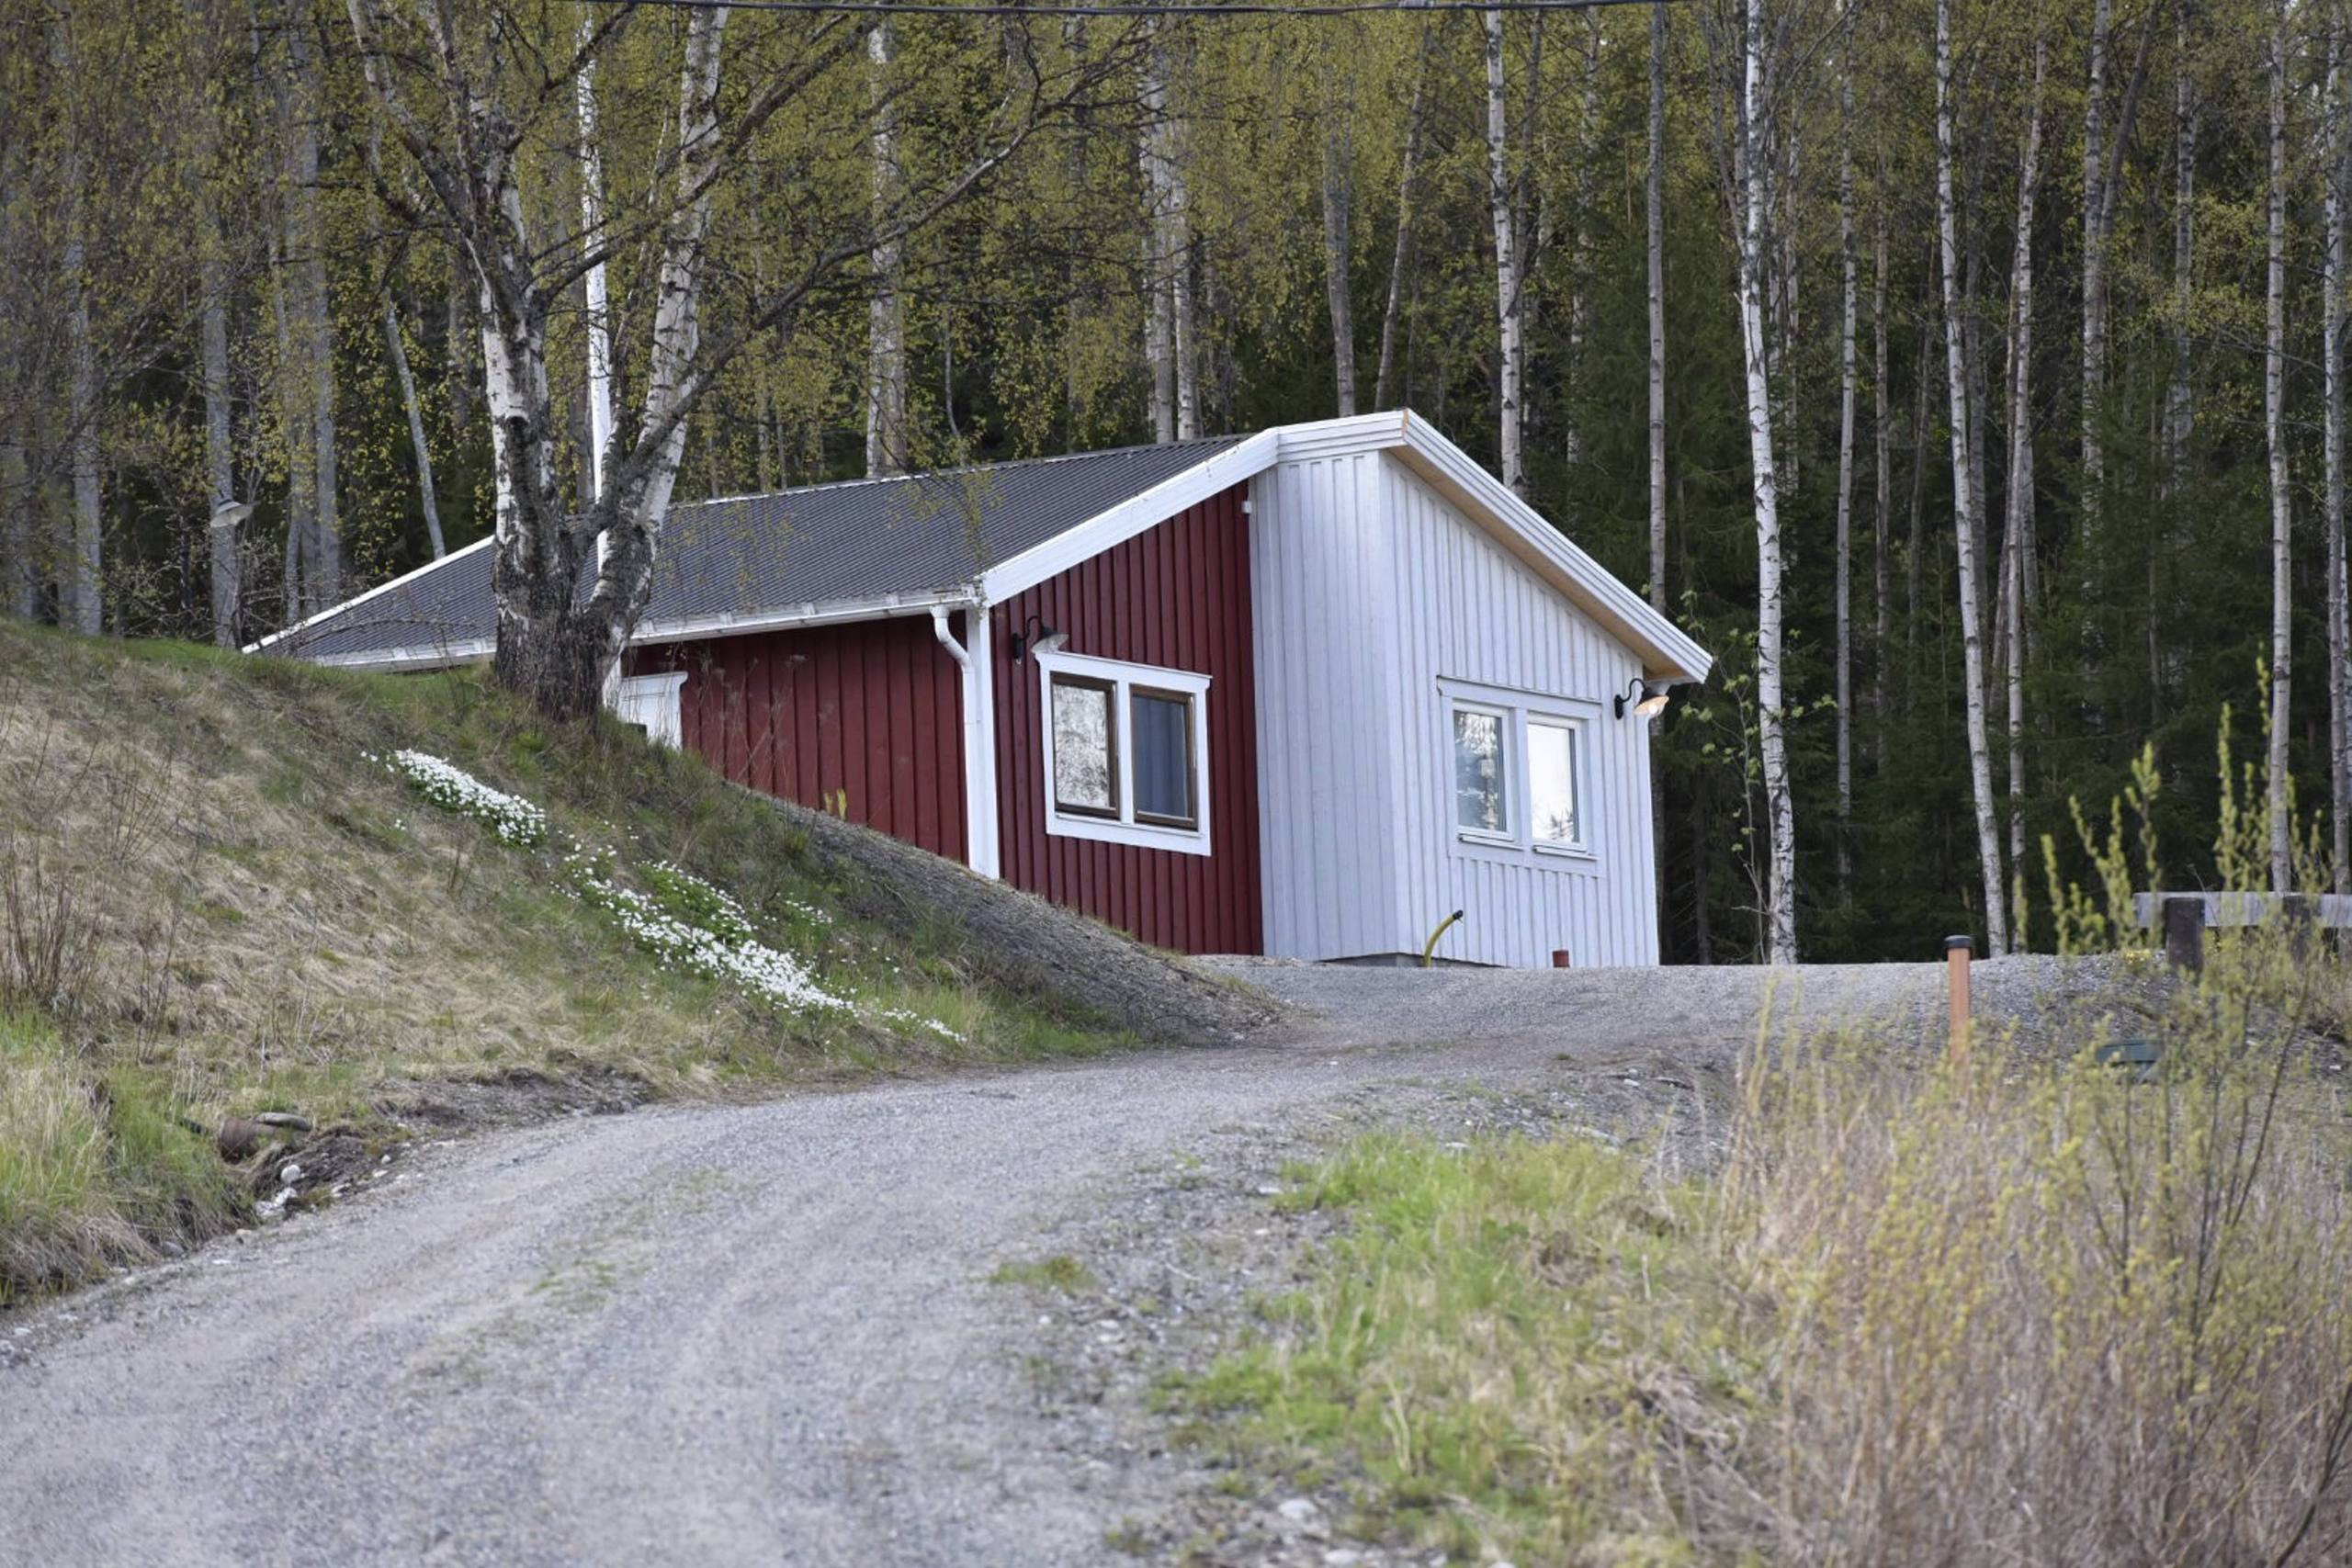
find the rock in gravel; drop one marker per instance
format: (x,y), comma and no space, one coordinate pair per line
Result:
(1299,1510)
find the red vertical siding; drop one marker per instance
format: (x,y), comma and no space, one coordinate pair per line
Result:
(873,709)
(1177,596)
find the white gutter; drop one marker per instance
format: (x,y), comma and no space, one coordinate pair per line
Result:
(980,847)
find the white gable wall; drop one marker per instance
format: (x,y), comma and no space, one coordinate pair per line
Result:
(1371,589)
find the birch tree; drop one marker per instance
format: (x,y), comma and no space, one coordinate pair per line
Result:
(2094,389)
(1408,164)
(1965,499)
(1847,392)
(2339,632)
(1753,134)
(2273,423)
(2017,533)
(80,553)
(1338,192)
(463,92)
(886,343)
(1512,351)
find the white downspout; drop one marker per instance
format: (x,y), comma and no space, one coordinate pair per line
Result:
(980,733)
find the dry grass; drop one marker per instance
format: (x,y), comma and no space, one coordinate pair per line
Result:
(214,901)
(2065,1316)
(2035,1312)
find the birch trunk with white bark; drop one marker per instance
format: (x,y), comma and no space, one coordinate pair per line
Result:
(1511,346)
(1383,383)
(409,403)
(596,286)
(1842,573)
(78,554)
(1339,248)
(312,320)
(1754,132)
(2339,613)
(2094,390)
(2274,422)
(1654,200)
(1965,500)
(2017,529)
(1882,495)
(887,447)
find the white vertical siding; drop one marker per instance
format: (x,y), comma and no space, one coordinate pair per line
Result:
(1371,589)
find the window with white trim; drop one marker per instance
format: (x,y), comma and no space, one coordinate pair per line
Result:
(1517,762)
(1127,751)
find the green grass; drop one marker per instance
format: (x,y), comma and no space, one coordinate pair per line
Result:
(1500,1347)
(1061,1273)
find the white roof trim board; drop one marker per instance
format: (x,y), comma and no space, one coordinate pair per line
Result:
(1666,652)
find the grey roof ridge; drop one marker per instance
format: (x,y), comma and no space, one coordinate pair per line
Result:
(918,475)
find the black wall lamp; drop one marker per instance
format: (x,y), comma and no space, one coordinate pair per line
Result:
(1043,639)
(1651,700)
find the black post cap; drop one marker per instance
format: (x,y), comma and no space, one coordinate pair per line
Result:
(1959,944)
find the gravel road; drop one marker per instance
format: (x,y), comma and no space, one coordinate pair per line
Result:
(753,1333)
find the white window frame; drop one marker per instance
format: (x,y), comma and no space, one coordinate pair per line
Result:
(1124,678)
(651,702)
(1519,711)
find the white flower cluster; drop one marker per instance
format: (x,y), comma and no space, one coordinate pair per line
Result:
(901,1015)
(512,819)
(777,975)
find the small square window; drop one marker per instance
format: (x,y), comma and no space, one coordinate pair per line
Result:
(1481,793)
(1086,747)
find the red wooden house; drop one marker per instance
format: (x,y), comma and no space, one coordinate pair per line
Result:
(1301,692)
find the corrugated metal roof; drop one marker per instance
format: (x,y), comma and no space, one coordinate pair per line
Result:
(751,555)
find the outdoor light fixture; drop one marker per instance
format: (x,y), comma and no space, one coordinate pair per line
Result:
(1043,639)
(1651,701)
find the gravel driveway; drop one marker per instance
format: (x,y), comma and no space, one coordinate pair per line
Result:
(756,1334)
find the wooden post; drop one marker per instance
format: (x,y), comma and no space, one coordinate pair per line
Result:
(2298,914)
(1958,950)
(2183,919)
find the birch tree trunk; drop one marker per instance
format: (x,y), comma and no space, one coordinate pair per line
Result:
(1159,261)
(1847,391)
(1882,495)
(2339,626)
(1383,383)
(1655,234)
(226,565)
(2274,421)
(594,286)
(2179,404)
(2093,279)
(314,317)
(2017,529)
(78,558)
(1754,143)
(1512,348)
(398,350)
(1654,197)
(1337,248)
(301,485)
(213,286)
(887,450)
(1964,500)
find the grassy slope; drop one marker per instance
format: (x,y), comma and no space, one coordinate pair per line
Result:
(216,898)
